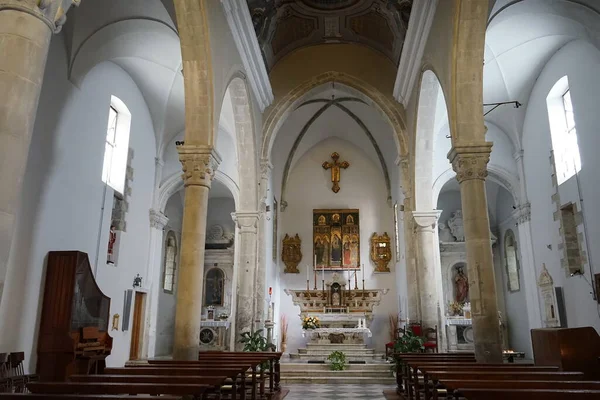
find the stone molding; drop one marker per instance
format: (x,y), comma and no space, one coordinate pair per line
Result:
(247,221)
(470,162)
(404,163)
(242,29)
(199,164)
(426,220)
(419,25)
(158,220)
(523,213)
(52,12)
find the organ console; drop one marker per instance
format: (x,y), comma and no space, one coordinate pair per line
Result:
(73,337)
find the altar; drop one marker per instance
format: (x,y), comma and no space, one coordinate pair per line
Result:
(344,313)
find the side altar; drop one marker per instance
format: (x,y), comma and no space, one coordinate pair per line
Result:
(344,313)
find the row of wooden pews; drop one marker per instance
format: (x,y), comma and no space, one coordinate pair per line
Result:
(218,375)
(457,376)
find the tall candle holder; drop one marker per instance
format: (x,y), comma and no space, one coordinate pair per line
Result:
(315,278)
(349,291)
(363,291)
(355,280)
(324,294)
(307,285)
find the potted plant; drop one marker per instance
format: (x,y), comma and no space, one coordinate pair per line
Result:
(310,323)
(255,341)
(408,342)
(284,329)
(337,361)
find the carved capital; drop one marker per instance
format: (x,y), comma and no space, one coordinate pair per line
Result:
(52,12)
(265,169)
(158,220)
(470,162)
(199,164)
(426,220)
(246,221)
(523,213)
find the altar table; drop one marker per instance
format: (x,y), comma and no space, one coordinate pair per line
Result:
(337,331)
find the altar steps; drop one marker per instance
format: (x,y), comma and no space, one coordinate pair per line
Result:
(379,373)
(353,352)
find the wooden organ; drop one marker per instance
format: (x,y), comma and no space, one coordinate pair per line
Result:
(73,336)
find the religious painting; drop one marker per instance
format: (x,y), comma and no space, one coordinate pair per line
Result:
(214,287)
(291,253)
(336,239)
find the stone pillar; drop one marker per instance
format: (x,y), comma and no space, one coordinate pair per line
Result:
(154,276)
(25,31)
(199,165)
(247,222)
(523,217)
(427,278)
(263,251)
(470,165)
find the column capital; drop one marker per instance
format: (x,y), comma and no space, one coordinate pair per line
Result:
(426,219)
(158,220)
(470,161)
(246,221)
(199,163)
(522,213)
(265,168)
(52,12)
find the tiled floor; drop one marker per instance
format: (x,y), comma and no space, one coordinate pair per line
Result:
(335,392)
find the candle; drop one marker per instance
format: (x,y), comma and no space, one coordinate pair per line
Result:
(315,261)
(363,272)
(307,272)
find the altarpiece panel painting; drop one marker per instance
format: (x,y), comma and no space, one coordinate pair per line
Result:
(336,239)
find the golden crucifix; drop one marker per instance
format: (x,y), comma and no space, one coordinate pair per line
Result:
(335,170)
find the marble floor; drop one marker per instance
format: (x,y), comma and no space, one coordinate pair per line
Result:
(335,392)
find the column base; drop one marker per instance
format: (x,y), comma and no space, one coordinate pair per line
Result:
(186,353)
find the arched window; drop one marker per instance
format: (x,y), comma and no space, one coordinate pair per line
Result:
(170,263)
(214,290)
(563,131)
(116,147)
(512,262)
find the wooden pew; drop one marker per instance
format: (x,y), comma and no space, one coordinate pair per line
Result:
(529,394)
(25,396)
(453,385)
(117,388)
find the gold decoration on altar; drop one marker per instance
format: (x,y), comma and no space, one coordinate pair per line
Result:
(336,239)
(335,170)
(381,251)
(291,253)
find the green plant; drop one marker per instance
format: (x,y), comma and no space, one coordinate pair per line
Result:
(255,341)
(337,360)
(408,342)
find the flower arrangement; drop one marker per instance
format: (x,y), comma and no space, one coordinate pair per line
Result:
(455,308)
(310,322)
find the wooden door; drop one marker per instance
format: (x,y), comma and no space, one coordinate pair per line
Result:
(136,331)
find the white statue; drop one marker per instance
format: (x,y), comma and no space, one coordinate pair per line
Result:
(455,223)
(445,234)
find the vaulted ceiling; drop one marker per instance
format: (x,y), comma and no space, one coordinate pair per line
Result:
(285,25)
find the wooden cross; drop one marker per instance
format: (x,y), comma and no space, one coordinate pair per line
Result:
(335,170)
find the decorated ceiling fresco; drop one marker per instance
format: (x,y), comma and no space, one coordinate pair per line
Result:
(285,25)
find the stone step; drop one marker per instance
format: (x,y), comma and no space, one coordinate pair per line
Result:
(340,380)
(333,347)
(349,356)
(367,373)
(326,352)
(319,368)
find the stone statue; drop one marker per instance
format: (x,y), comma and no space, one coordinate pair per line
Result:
(445,234)
(461,284)
(455,223)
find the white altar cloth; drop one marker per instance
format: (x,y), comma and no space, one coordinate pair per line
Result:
(327,331)
(458,321)
(326,317)
(215,324)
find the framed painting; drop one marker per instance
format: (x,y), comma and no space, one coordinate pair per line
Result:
(336,239)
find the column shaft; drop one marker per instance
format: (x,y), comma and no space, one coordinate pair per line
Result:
(24,43)
(426,225)
(470,164)
(246,274)
(199,164)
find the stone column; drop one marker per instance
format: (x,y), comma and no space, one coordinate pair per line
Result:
(523,217)
(247,222)
(199,165)
(263,252)
(25,31)
(427,247)
(470,165)
(154,276)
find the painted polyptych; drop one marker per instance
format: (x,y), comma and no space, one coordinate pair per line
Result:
(336,239)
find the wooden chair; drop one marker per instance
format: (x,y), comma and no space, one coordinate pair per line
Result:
(430,336)
(5,382)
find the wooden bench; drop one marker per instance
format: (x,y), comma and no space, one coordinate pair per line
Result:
(529,394)
(453,386)
(117,388)
(25,396)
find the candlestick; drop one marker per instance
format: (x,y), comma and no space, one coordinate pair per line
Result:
(363,291)
(315,261)
(307,272)
(315,271)
(355,280)
(307,285)
(324,295)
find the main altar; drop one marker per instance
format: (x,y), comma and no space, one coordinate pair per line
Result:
(345,313)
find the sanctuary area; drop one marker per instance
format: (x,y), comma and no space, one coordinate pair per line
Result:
(318,199)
